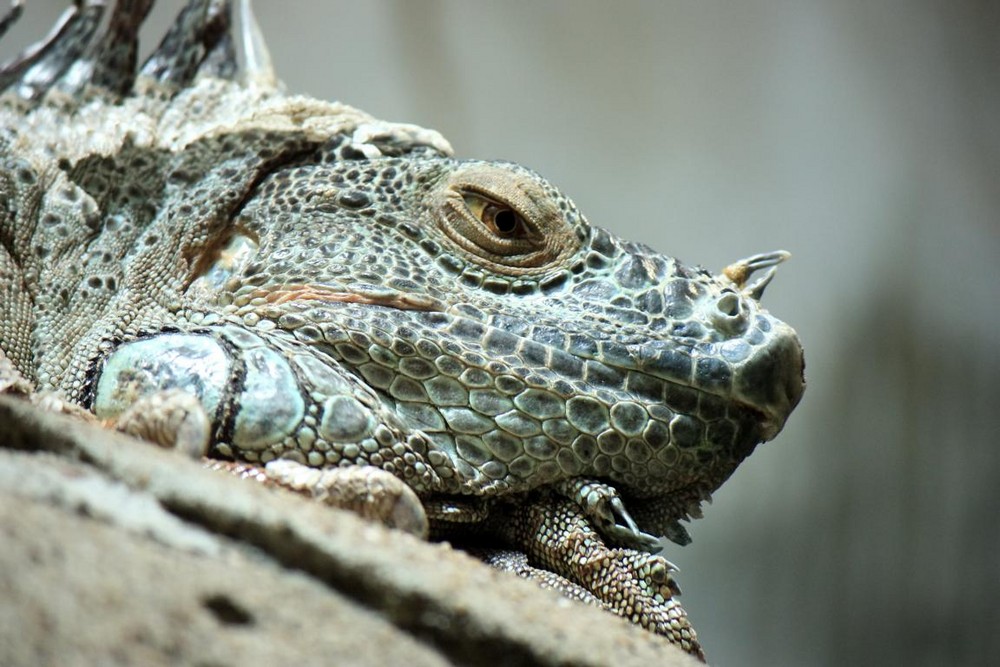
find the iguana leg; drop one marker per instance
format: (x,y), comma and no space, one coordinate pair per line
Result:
(556,535)
(163,388)
(606,511)
(176,419)
(368,491)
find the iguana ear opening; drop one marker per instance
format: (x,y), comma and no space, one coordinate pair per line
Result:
(504,221)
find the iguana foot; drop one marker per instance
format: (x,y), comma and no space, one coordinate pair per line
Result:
(171,418)
(606,511)
(638,586)
(372,493)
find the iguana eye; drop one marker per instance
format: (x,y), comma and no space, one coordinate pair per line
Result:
(502,220)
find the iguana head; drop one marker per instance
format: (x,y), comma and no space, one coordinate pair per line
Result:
(528,344)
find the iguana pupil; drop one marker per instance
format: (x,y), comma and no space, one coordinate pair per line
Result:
(504,220)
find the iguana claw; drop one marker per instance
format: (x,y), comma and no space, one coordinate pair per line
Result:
(606,510)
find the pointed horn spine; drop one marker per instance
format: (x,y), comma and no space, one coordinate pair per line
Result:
(62,52)
(259,70)
(115,55)
(11,17)
(196,31)
(38,66)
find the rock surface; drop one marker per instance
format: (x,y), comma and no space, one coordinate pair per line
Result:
(115,552)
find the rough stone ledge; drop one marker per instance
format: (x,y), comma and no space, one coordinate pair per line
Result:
(115,552)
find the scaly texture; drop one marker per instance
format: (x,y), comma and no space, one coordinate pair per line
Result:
(337,291)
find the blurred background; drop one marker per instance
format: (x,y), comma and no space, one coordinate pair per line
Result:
(862,136)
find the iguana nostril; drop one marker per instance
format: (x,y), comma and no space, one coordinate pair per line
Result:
(729,305)
(730,315)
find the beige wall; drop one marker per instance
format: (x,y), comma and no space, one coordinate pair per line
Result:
(861,136)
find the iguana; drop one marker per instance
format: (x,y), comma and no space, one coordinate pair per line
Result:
(334,303)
